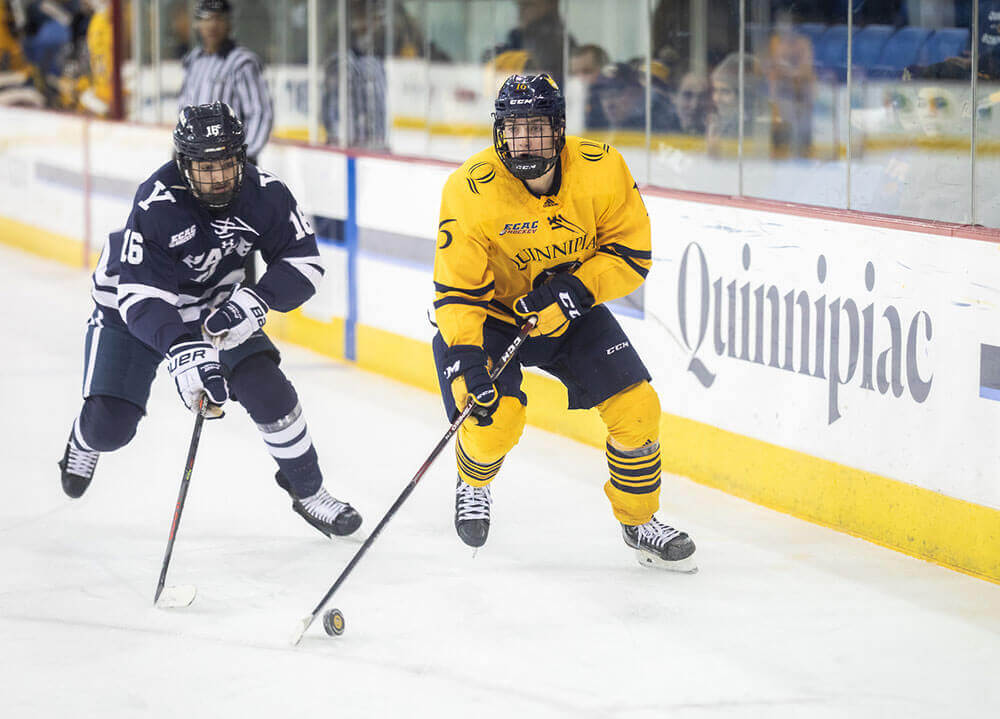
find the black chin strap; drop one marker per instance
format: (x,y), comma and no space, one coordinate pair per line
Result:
(556,182)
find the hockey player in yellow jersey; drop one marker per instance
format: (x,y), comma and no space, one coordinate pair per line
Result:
(553,227)
(95,89)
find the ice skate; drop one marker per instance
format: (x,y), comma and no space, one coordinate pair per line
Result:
(660,545)
(326,513)
(77,465)
(472,513)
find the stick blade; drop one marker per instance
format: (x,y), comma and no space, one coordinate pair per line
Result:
(176,597)
(300,629)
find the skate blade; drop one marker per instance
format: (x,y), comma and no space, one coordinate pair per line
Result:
(684,566)
(177,597)
(300,630)
(355,537)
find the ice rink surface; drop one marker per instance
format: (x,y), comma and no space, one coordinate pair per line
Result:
(553,618)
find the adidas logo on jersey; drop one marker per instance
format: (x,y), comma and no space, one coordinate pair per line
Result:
(181,237)
(549,202)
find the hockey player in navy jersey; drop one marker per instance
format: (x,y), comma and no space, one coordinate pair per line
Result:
(167,286)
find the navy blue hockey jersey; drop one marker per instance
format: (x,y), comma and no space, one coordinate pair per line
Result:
(174,262)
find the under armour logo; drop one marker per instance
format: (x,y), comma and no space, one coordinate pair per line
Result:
(225,228)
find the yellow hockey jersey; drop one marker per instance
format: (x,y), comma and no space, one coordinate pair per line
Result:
(11,56)
(96,90)
(496,239)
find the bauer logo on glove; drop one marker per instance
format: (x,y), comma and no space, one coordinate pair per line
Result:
(232,324)
(197,371)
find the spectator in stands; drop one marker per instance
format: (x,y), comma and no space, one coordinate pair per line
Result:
(723,123)
(11,54)
(95,88)
(407,36)
(960,67)
(16,74)
(617,100)
(48,29)
(692,102)
(673,25)
(586,62)
(539,32)
(791,86)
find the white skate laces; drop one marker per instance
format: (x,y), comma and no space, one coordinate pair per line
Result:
(472,502)
(81,462)
(323,506)
(655,533)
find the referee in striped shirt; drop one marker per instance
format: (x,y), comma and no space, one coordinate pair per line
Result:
(222,70)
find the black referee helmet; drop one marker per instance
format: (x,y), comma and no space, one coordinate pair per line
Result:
(208,7)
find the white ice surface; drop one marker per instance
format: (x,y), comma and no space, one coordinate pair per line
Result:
(553,618)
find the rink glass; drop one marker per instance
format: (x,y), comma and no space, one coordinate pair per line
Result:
(822,110)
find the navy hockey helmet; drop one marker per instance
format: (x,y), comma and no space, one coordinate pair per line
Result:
(537,147)
(211,149)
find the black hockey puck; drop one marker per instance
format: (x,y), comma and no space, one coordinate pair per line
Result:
(333,622)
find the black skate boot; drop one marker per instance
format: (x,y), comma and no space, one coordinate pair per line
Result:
(77,465)
(660,545)
(327,514)
(472,513)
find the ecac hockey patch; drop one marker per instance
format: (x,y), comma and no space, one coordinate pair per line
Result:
(520,228)
(183,236)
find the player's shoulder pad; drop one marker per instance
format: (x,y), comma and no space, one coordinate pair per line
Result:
(160,190)
(590,150)
(475,174)
(265,183)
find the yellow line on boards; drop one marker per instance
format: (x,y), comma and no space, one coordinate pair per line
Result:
(951,532)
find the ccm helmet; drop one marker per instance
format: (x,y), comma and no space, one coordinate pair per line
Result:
(211,132)
(530,96)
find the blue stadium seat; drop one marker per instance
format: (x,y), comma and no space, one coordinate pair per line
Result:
(902,49)
(812,30)
(868,44)
(831,50)
(944,43)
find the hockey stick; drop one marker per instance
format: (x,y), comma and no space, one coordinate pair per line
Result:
(180,595)
(505,359)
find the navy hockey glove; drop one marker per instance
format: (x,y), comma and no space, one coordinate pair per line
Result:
(555,303)
(230,325)
(466,368)
(196,370)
